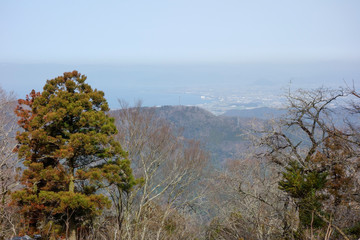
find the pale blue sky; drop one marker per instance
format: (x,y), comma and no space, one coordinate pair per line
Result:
(178,31)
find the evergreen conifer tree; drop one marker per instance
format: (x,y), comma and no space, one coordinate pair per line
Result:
(69,155)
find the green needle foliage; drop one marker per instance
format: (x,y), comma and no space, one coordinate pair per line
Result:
(306,188)
(69,155)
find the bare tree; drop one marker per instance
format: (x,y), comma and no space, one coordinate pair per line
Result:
(304,129)
(309,144)
(249,203)
(8,162)
(168,168)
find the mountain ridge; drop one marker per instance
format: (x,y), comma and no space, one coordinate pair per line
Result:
(223,136)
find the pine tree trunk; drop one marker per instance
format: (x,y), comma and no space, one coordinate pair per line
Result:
(71,184)
(72,227)
(72,235)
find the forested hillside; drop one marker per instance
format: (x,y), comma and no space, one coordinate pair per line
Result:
(224,137)
(72,169)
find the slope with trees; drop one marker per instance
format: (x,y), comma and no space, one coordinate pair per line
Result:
(303,182)
(300,179)
(169,169)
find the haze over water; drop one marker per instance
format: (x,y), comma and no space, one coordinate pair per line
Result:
(185,84)
(203,52)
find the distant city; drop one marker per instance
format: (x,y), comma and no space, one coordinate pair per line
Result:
(217,88)
(218,102)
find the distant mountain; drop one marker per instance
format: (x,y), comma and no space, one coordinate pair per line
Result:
(223,136)
(260,113)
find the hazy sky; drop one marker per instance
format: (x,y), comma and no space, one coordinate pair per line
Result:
(156,50)
(178,31)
